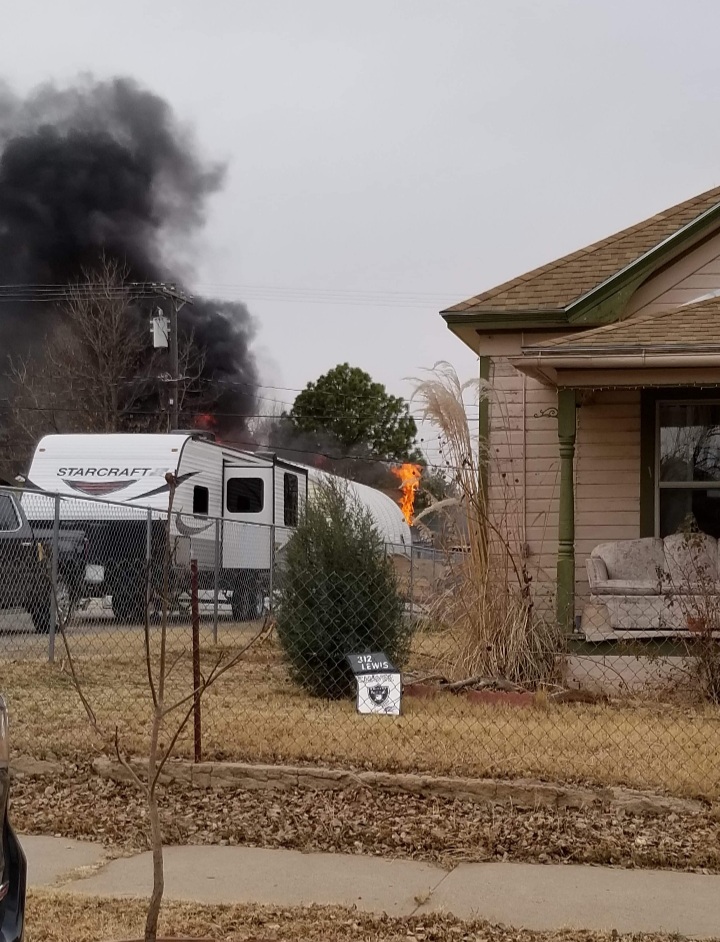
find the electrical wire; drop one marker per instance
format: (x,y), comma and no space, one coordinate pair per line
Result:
(243,291)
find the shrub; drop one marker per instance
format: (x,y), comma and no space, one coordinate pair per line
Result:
(337,595)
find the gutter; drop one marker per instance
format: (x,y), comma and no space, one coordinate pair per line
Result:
(547,364)
(622,350)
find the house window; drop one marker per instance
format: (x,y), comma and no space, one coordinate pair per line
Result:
(290,488)
(245,495)
(201,501)
(688,467)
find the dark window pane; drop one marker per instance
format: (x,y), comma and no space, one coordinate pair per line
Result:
(201,500)
(8,515)
(245,495)
(290,489)
(689,441)
(689,508)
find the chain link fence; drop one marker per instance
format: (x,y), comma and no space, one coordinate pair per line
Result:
(631,698)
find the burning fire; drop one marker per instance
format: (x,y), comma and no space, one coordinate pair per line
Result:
(206,422)
(409,475)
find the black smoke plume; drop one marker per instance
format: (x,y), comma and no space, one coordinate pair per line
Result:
(106,168)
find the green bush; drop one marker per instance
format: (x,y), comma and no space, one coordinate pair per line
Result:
(337,595)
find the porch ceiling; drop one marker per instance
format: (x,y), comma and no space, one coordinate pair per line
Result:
(677,347)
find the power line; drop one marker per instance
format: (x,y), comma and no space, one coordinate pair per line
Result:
(242,291)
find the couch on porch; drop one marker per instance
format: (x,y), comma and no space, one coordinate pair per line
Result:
(650,584)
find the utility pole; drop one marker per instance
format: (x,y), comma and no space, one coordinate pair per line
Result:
(175,369)
(178,299)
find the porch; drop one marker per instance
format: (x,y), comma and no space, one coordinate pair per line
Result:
(664,476)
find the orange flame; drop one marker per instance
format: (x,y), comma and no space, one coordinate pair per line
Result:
(409,475)
(206,422)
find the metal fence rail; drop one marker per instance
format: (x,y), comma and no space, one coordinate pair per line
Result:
(631,699)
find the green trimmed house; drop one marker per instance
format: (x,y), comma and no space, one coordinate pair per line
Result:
(603,422)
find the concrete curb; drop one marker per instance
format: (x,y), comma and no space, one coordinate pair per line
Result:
(520,793)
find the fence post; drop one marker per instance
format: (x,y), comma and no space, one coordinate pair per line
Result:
(54,579)
(272,566)
(217,580)
(148,561)
(412,581)
(195,609)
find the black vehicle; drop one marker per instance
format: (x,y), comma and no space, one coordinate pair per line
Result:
(13,867)
(26,565)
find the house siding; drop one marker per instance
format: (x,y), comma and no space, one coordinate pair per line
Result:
(607,475)
(524,472)
(524,468)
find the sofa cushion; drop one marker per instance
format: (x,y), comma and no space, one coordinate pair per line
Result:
(692,563)
(624,587)
(633,561)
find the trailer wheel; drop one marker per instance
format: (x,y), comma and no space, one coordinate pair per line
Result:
(129,606)
(41,612)
(248,603)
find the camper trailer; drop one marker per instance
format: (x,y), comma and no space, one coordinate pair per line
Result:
(233,511)
(113,487)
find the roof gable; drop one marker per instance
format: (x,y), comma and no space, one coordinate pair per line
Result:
(694,327)
(567,280)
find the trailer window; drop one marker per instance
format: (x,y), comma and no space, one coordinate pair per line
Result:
(201,501)
(8,514)
(245,495)
(290,488)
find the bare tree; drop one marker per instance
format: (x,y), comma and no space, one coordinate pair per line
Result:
(97,371)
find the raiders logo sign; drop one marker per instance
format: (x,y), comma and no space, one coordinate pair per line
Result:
(378,694)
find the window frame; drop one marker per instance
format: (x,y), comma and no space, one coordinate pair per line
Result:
(292,479)
(231,481)
(658,484)
(206,512)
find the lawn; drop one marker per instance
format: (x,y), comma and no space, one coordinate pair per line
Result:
(256,713)
(54,917)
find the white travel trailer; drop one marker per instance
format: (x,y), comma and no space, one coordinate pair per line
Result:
(233,511)
(113,487)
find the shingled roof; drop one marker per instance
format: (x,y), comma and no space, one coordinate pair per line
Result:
(556,285)
(695,326)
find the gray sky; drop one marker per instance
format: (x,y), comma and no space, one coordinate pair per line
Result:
(402,147)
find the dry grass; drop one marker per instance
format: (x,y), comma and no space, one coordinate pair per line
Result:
(485,599)
(53,917)
(257,714)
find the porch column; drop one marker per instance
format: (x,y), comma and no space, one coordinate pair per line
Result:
(484,430)
(566,522)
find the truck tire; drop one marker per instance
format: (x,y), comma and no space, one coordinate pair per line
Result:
(41,612)
(129,606)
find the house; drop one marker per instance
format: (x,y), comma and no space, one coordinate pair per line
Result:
(603,421)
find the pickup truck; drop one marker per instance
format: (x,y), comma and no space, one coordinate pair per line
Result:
(26,565)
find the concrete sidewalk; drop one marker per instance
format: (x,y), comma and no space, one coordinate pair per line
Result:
(530,895)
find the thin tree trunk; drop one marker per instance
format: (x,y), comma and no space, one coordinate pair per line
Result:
(153,913)
(153,910)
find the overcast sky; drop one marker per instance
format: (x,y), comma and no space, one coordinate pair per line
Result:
(390,148)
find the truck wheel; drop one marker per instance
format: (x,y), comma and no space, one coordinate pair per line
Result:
(248,603)
(129,606)
(41,612)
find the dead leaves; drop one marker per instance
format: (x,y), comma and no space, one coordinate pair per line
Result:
(81,805)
